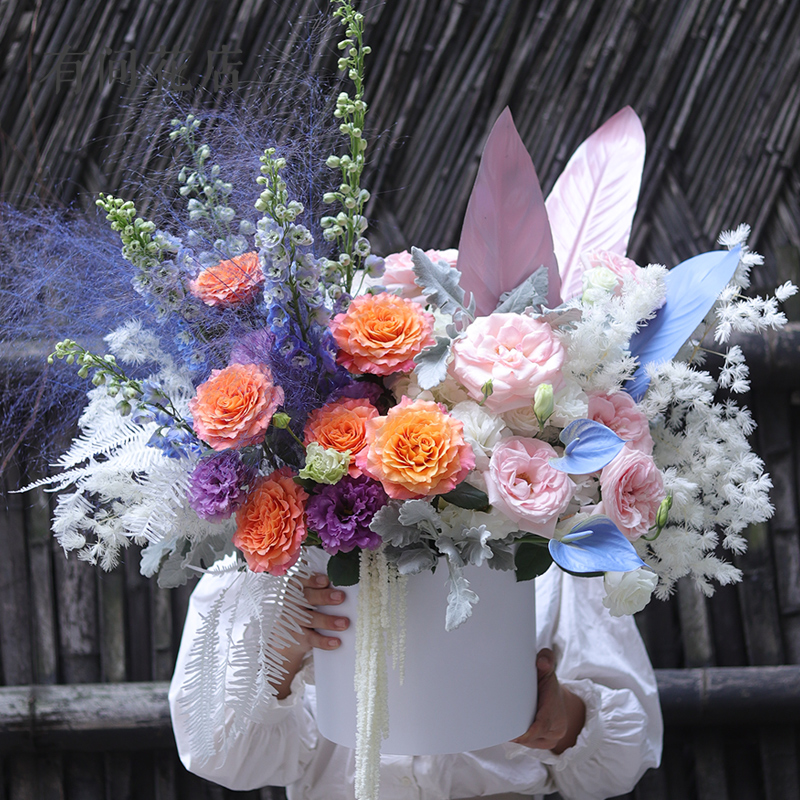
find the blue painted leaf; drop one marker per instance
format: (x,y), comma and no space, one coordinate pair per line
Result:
(595,545)
(692,289)
(590,446)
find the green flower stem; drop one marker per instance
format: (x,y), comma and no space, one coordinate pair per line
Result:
(539,541)
(352,112)
(108,373)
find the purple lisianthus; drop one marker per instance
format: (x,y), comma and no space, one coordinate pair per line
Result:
(219,485)
(340,514)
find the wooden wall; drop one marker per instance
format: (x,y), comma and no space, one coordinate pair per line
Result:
(717,84)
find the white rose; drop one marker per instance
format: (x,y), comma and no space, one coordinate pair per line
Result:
(441,322)
(628,592)
(483,430)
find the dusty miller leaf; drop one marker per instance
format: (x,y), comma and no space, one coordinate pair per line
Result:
(431,363)
(421,514)
(439,283)
(386,523)
(411,560)
(531,292)
(461,598)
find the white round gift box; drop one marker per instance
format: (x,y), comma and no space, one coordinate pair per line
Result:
(462,690)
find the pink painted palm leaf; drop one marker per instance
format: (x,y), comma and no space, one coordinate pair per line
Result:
(506,235)
(593,202)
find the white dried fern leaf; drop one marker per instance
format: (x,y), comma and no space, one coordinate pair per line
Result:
(276,609)
(204,690)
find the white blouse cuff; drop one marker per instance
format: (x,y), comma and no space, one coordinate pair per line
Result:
(304,677)
(591,736)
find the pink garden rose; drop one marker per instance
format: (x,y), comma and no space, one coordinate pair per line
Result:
(620,413)
(523,485)
(632,489)
(515,352)
(398,276)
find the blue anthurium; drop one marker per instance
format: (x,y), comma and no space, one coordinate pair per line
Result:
(590,446)
(595,545)
(692,289)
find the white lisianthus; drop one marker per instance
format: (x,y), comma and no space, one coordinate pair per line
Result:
(325,465)
(482,429)
(406,385)
(450,392)
(459,520)
(598,283)
(522,421)
(628,592)
(571,403)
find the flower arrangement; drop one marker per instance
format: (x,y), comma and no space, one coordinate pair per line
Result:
(533,397)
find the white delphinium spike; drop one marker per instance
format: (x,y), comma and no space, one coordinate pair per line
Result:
(597,346)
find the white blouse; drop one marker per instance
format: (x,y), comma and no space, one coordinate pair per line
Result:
(598,657)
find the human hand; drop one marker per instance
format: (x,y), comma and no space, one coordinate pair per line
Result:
(560,715)
(318,592)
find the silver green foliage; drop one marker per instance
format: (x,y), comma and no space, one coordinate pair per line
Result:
(431,363)
(440,285)
(531,292)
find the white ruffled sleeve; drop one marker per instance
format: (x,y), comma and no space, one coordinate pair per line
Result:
(273,751)
(602,660)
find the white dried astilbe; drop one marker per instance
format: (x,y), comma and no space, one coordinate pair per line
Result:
(721,485)
(124,491)
(718,484)
(597,347)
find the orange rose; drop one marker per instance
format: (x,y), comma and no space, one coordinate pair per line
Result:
(381,334)
(270,526)
(230,283)
(416,450)
(341,426)
(233,408)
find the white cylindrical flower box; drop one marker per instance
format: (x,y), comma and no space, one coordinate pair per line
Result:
(463,690)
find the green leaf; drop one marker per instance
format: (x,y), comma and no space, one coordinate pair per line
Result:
(531,560)
(343,568)
(584,574)
(466,496)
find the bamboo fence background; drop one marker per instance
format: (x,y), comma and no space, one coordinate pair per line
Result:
(717,85)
